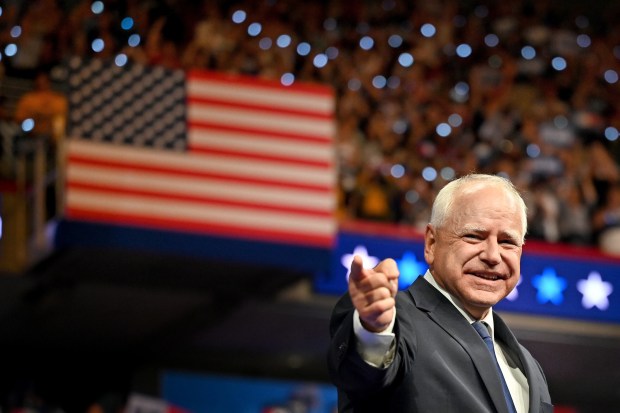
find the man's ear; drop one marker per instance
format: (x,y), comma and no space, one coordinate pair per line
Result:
(430,240)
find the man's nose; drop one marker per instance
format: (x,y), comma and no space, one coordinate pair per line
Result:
(491,252)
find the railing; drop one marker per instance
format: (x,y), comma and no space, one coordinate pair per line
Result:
(30,201)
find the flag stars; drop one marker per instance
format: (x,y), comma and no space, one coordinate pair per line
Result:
(595,291)
(368,261)
(410,268)
(550,287)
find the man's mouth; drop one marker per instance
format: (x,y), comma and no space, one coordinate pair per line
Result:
(487,276)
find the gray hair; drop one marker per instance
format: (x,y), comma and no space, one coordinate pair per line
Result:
(444,202)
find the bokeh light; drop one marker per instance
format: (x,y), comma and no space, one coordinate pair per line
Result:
(611,134)
(583,40)
(428,30)
(97,7)
(239,16)
(16,31)
(397,171)
(491,40)
(127,23)
(447,173)
(303,49)
(532,150)
(265,43)
(611,76)
(455,120)
(429,174)
(97,45)
(254,29)
(443,130)
(528,52)
(367,42)
(463,50)
(27,125)
(120,60)
(287,79)
(134,40)
(558,63)
(332,52)
(283,40)
(405,59)
(395,41)
(320,60)
(379,81)
(10,49)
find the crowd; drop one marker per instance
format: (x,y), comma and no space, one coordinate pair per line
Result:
(426,91)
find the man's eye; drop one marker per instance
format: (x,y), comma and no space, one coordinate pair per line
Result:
(509,242)
(473,236)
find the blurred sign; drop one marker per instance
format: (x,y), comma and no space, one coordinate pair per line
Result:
(214,393)
(555,281)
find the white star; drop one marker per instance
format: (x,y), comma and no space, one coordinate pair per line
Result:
(367,260)
(595,291)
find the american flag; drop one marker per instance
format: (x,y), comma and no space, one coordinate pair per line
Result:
(201,152)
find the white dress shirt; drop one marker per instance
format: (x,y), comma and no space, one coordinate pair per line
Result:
(378,349)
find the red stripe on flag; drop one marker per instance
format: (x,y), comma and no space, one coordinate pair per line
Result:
(119,165)
(197,124)
(252,155)
(110,190)
(224,103)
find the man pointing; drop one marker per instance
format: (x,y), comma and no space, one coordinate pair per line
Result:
(438,346)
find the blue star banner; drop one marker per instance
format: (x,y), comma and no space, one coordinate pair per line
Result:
(559,281)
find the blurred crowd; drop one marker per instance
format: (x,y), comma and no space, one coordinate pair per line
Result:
(426,90)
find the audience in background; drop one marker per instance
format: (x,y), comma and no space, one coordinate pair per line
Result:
(528,90)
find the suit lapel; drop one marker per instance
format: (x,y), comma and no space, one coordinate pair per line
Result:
(442,312)
(504,334)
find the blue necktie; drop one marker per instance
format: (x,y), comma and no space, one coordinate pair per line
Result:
(482,330)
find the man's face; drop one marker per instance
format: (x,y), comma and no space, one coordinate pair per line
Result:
(476,254)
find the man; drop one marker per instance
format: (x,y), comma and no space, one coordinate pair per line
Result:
(418,350)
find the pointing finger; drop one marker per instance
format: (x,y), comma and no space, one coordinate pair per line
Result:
(357,265)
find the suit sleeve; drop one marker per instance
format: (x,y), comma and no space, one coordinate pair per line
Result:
(349,372)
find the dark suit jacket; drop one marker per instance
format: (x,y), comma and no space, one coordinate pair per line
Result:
(441,364)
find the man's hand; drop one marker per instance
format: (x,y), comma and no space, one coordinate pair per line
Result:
(372,292)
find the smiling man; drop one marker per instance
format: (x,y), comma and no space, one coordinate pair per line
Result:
(438,346)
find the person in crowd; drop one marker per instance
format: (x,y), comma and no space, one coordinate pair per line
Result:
(46,107)
(439,346)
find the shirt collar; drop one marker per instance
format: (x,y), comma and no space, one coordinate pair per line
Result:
(488,319)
